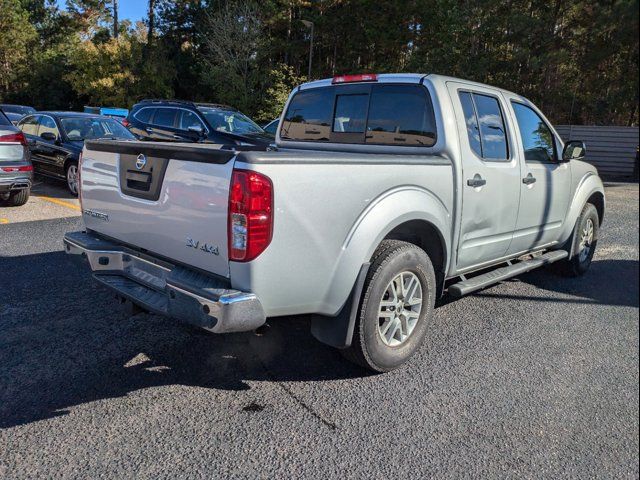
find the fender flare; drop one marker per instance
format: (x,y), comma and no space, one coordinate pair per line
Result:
(390,209)
(589,184)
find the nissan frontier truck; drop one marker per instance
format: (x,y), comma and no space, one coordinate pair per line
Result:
(381,194)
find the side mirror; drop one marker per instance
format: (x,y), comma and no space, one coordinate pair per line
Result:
(49,136)
(197,129)
(574,150)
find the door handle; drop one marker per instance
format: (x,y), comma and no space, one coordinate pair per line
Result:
(476,181)
(529,179)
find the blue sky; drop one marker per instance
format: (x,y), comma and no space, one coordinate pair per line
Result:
(132,9)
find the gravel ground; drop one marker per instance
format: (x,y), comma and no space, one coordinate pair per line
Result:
(536,377)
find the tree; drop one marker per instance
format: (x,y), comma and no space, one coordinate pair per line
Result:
(232,38)
(16,40)
(114,73)
(576,59)
(282,80)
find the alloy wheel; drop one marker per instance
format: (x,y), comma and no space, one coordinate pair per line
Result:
(399,309)
(72,179)
(586,240)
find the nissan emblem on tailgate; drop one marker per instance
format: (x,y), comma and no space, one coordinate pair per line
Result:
(141,161)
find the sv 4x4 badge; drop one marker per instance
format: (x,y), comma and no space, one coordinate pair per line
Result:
(205,247)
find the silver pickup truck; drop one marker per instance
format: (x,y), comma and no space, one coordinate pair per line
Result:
(381,194)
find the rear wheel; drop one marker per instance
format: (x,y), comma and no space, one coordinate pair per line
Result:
(72,178)
(397,304)
(585,239)
(18,198)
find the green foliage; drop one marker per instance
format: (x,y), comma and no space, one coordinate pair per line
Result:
(231,37)
(282,79)
(118,71)
(577,59)
(17,36)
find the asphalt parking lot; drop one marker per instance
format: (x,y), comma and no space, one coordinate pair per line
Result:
(536,377)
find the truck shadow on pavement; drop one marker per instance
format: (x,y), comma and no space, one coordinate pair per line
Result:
(64,342)
(608,282)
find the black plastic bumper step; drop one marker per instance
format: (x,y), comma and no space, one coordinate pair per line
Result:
(503,273)
(137,293)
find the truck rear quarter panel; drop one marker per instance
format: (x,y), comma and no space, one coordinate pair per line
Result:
(331,210)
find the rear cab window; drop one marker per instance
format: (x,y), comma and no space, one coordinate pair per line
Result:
(374,114)
(350,113)
(309,116)
(401,115)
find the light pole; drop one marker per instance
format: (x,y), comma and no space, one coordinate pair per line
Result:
(309,25)
(115,18)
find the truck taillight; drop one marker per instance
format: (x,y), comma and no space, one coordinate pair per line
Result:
(250,215)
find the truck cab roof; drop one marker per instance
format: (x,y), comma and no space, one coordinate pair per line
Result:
(407,78)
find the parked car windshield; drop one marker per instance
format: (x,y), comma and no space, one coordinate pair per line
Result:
(229,121)
(78,129)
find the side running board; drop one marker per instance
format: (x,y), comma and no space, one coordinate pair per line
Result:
(499,274)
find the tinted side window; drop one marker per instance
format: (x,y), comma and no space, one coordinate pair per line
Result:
(144,114)
(29,125)
(309,116)
(401,115)
(493,134)
(189,119)
(164,117)
(537,138)
(48,125)
(471,122)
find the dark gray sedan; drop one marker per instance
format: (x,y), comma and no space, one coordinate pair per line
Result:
(16,171)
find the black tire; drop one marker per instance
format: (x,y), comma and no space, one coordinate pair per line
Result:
(19,198)
(367,347)
(66,175)
(579,264)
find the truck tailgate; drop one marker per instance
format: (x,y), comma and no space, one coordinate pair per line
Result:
(168,199)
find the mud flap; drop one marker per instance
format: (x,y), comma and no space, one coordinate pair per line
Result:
(338,331)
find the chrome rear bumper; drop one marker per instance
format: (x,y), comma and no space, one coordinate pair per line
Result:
(166,289)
